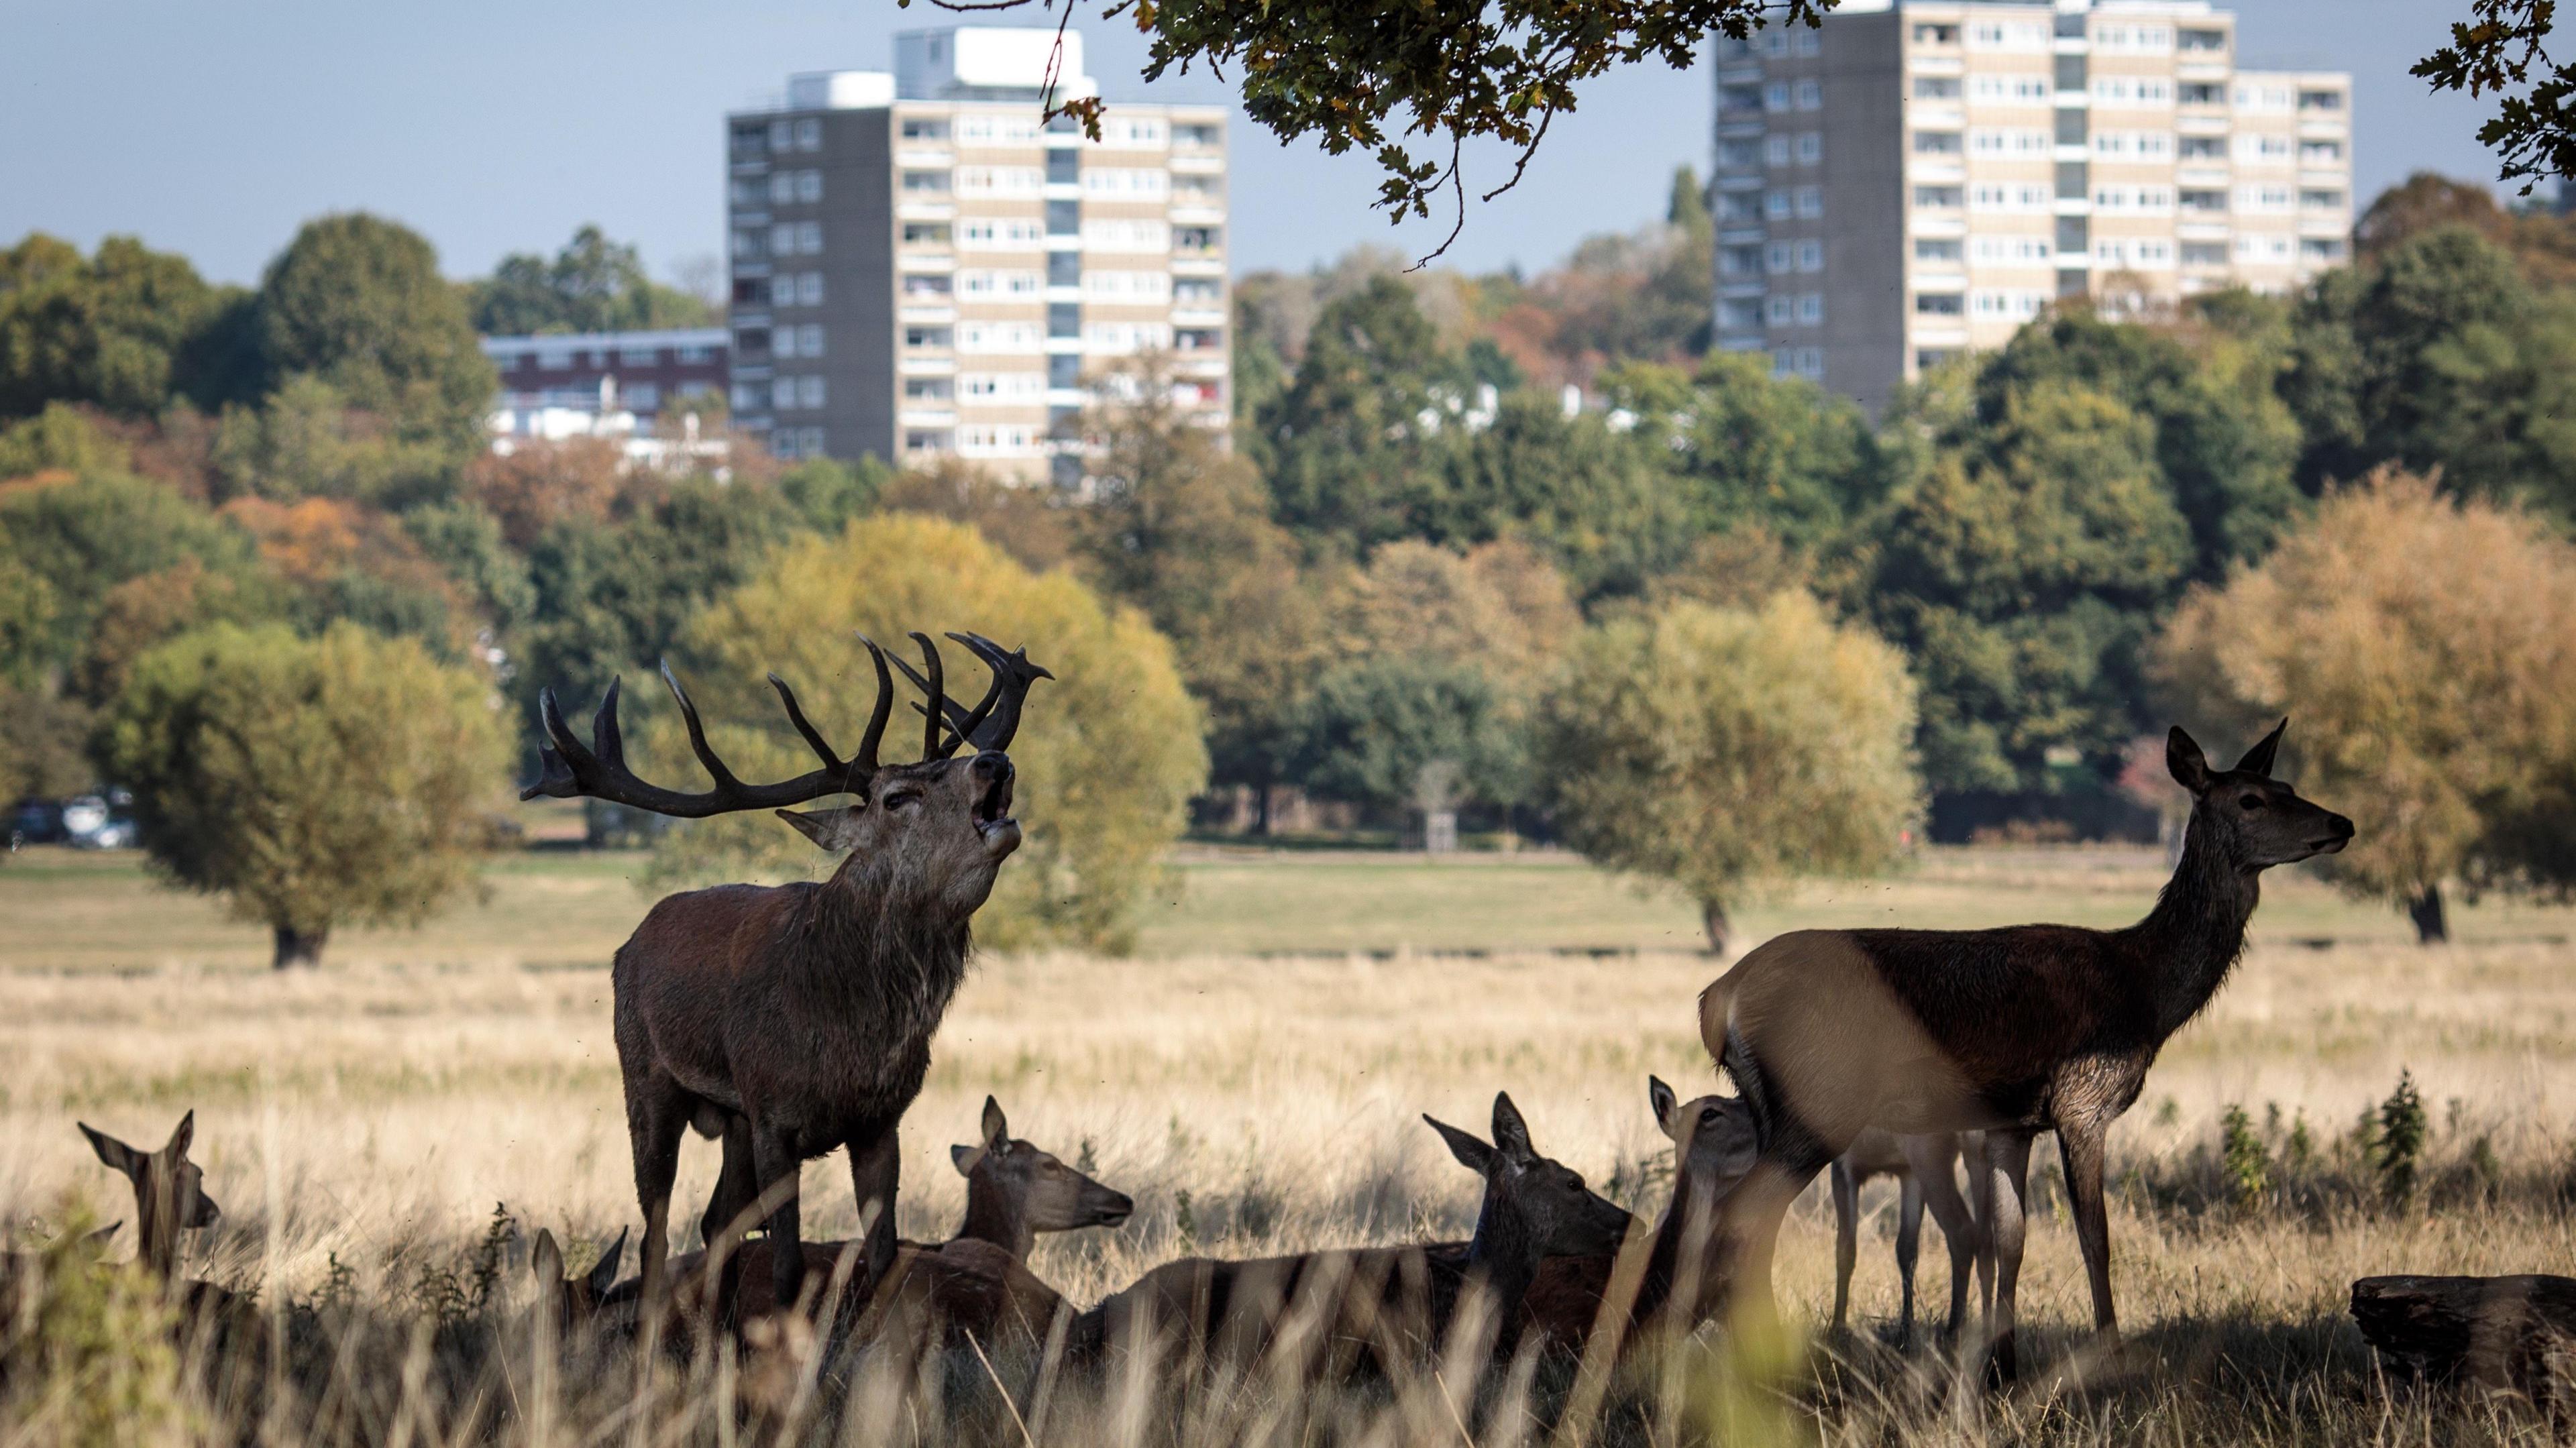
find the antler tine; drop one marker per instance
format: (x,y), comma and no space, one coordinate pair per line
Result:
(935,686)
(866,758)
(698,732)
(1013,674)
(555,778)
(994,660)
(955,711)
(606,743)
(813,736)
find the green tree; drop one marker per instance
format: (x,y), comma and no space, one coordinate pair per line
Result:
(304,440)
(358,302)
(1348,439)
(1602,503)
(82,538)
(592,285)
(2442,357)
(1409,732)
(1723,748)
(112,330)
(61,438)
(2022,571)
(310,782)
(2421,643)
(1780,454)
(1108,754)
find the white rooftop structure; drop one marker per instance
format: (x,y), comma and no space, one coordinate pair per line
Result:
(989,63)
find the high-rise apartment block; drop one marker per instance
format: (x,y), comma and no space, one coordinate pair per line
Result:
(1913,180)
(923,267)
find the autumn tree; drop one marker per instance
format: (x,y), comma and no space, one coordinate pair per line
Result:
(1109,752)
(2425,647)
(311,782)
(1723,748)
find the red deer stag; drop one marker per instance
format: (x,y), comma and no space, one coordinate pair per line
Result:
(793,1019)
(2015,1031)
(1926,1168)
(1336,1310)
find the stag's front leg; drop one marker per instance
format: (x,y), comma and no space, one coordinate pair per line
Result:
(775,1158)
(875,1169)
(2079,1148)
(2007,1161)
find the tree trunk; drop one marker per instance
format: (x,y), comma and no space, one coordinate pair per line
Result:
(1712,918)
(300,947)
(1261,809)
(2425,909)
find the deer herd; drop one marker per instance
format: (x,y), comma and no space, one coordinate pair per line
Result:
(785,1021)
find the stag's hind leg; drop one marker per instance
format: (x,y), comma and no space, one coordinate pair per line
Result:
(657,1112)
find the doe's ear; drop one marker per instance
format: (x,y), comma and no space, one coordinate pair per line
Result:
(115,1153)
(182,1136)
(1511,1134)
(997,1128)
(545,1259)
(1662,1095)
(2258,760)
(603,1275)
(832,829)
(1472,1154)
(2184,761)
(965,1158)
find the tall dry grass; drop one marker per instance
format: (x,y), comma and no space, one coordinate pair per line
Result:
(359,1126)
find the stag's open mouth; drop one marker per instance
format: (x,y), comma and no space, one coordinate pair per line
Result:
(993,809)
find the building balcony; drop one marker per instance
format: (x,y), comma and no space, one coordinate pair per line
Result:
(2201,176)
(1184,215)
(1198,316)
(926,416)
(925,211)
(1744,287)
(936,314)
(1937,224)
(1188,165)
(1936,171)
(925,156)
(1936,65)
(1197,264)
(927,262)
(927,362)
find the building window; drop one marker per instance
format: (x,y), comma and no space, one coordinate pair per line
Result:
(2320,248)
(1064,319)
(925,233)
(1811,96)
(1063,218)
(1811,309)
(1811,147)
(1938,198)
(933,284)
(926,337)
(2320,100)
(696,354)
(1936,87)
(1779,205)
(1936,34)
(809,134)
(1778,311)
(2321,153)
(1779,257)
(1936,143)
(2316,200)
(809,186)
(1732,261)
(809,391)
(1940,304)
(782,135)
(809,289)
(926,183)
(1775,96)
(1196,135)
(1937,249)
(1775,150)
(782,393)
(809,339)
(1811,256)
(924,128)
(639,356)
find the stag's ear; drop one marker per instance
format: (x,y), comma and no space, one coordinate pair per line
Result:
(1511,1134)
(833,829)
(997,1129)
(965,1158)
(603,1276)
(182,1137)
(2184,761)
(115,1153)
(2258,760)
(545,1260)
(1662,1096)
(1472,1154)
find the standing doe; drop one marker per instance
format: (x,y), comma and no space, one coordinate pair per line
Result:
(792,1019)
(2015,1031)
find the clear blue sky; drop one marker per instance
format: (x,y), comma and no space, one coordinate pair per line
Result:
(215,129)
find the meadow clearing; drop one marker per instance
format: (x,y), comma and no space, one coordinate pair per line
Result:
(1254,1075)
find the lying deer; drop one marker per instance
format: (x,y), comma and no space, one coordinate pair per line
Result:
(170,1198)
(1671,1279)
(1335,1310)
(793,1019)
(577,1304)
(1926,1167)
(976,1283)
(2015,1031)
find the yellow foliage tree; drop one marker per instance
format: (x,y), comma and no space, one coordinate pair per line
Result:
(2426,648)
(1719,748)
(1109,752)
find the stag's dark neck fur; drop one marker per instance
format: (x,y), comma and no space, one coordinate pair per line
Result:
(995,1216)
(858,947)
(2196,932)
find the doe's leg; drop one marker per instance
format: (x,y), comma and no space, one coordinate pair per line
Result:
(2008,1165)
(1909,1241)
(1846,1236)
(1935,1163)
(2080,1149)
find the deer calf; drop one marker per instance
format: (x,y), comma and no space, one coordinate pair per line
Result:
(1336,1311)
(1925,1166)
(578,1305)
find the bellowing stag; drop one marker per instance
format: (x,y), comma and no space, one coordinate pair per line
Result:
(792,1019)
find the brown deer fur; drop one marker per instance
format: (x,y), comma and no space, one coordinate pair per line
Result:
(2016,1031)
(1672,1278)
(1333,1312)
(796,1018)
(1926,1168)
(169,1192)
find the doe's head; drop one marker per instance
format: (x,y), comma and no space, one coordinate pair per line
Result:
(169,1190)
(1713,1140)
(575,1301)
(1564,1217)
(2254,820)
(1034,1185)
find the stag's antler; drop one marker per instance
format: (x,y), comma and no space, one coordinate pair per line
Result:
(995,720)
(598,771)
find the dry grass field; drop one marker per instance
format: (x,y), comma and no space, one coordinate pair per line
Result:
(1254,1077)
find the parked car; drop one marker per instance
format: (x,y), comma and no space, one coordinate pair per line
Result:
(116,832)
(36,822)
